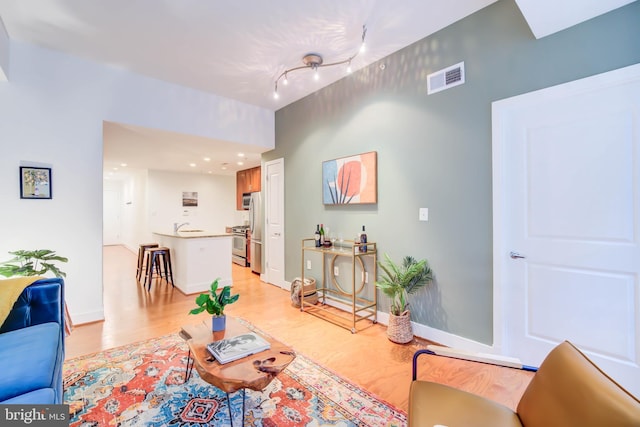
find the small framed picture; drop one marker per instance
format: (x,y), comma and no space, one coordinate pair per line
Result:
(35,183)
(189,198)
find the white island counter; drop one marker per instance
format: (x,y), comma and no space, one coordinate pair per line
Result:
(198,258)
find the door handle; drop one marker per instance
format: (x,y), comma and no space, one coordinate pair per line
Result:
(516,255)
(276,234)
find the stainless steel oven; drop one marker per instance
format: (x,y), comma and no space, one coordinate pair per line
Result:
(239,245)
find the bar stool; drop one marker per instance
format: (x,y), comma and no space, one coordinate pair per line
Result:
(159,259)
(141,258)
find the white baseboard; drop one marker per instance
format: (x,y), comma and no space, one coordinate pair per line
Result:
(427,332)
(89,317)
(196,288)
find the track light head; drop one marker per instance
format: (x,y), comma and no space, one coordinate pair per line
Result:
(312,60)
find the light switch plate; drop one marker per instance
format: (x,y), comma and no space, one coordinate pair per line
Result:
(336,271)
(308,264)
(423,214)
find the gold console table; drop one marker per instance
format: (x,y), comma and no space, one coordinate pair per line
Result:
(359,307)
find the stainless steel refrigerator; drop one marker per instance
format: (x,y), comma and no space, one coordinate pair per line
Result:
(255,225)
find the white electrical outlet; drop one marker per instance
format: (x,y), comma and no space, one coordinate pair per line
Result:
(336,271)
(308,264)
(423,214)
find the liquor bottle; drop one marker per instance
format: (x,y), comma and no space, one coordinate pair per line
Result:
(321,235)
(363,239)
(317,235)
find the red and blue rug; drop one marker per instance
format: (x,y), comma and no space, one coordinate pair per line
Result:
(142,384)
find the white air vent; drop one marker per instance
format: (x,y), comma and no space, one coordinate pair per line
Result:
(446,78)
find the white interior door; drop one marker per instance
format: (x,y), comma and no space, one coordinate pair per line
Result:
(274,218)
(567,222)
(111,222)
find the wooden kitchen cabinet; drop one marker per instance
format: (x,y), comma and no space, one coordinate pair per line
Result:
(247,181)
(254,179)
(241,185)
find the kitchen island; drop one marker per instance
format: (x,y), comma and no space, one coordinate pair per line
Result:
(198,258)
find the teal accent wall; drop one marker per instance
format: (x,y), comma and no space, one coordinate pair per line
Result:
(434,151)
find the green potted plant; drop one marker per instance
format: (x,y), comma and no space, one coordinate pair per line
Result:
(32,263)
(398,281)
(214,303)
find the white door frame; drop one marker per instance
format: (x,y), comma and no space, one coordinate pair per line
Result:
(500,115)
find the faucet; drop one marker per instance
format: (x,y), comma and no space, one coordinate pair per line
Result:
(177,226)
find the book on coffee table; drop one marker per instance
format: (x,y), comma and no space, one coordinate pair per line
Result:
(234,348)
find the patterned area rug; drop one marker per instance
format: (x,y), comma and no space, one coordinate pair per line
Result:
(142,384)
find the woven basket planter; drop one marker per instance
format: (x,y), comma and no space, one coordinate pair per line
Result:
(399,329)
(309,289)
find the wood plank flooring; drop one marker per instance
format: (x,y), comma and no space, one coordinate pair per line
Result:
(367,358)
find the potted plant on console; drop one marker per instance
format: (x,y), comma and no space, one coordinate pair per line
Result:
(398,282)
(214,302)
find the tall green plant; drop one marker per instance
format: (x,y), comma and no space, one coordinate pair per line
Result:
(400,281)
(214,302)
(32,263)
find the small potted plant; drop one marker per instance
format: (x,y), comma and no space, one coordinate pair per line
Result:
(398,282)
(214,302)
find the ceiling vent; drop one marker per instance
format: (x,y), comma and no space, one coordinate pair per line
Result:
(445,78)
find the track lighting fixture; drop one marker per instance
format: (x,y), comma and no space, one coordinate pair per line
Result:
(314,61)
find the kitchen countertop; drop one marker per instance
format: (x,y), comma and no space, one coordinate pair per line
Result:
(192,234)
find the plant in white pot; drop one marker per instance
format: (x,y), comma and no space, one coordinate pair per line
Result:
(214,303)
(398,281)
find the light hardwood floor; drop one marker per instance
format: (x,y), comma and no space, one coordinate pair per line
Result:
(367,358)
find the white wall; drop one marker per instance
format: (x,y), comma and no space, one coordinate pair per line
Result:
(152,201)
(4,52)
(51,112)
(216,201)
(112,203)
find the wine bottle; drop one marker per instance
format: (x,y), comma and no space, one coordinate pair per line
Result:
(317,235)
(321,235)
(363,239)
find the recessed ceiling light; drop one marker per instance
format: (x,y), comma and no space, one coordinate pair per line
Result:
(115,169)
(240,163)
(207,159)
(224,168)
(193,165)
(209,172)
(240,154)
(124,165)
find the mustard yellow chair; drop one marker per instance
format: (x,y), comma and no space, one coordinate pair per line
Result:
(568,390)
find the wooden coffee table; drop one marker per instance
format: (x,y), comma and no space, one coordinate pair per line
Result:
(254,372)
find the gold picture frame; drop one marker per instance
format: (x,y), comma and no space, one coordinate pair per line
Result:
(350,180)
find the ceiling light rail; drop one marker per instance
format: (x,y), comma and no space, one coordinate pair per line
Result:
(314,61)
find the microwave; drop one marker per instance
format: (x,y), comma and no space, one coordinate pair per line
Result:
(246,201)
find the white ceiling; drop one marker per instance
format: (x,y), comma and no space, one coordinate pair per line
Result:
(546,17)
(237,48)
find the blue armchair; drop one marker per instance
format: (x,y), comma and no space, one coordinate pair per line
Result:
(32,346)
